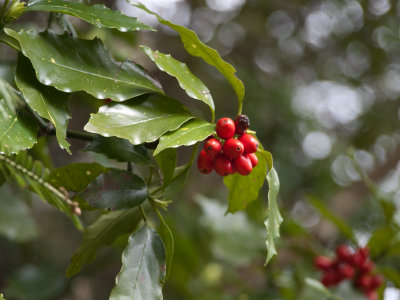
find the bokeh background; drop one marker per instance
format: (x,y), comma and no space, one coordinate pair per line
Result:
(322,85)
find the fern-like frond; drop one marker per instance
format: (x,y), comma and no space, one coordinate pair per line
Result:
(29,173)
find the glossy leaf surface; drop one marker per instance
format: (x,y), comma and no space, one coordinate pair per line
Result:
(47,101)
(193,86)
(17,128)
(166,160)
(143,267)
(72,64)
(119,149)
(190,133)
(140,120)
(115,189)
(98,15)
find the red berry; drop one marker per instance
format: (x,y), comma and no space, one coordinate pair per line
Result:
(346,271)
(364,253)
(254,159)
(249,142)
(366,267)
(225,128)
(343,253)
(357,259)
(242,122)
(205,162)
(323,262)
(365,282)
(222,165)
(242,165)
(108,100)
(330,277)
(212,147)
(233,148)
(372,295)
(377,281)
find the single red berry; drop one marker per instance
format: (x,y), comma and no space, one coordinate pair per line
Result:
(377,281)
(107,100)
(254,159)
(372,295)
(365,282)
(212,147)
(225,128)
(205,162)
(346,270)
(357,259)
(343,253)
(364,253)
(249,142)
(222,165)
(330,277)
(242,122)
(323,262)
(366,267)
(233,148)
(242,165)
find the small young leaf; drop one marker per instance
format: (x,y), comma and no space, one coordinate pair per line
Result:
(76,176)
(104,231)
(341,225)
(274,219)
(48,102)
(244,189)
(120,149)
(190,133)
(193,86)
(140,120)
(98,15)
(72,64)
(168,241)
(195,47)
(115,189)
(166,160)
(18,129)
(143,267)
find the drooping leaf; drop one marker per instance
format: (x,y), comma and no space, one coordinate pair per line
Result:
(193,86)
(120,149)
(175,186)
(195,47)
(274,219)
(75,176)
(98,15)
(72,64)
(244,189)
(17,128)
(168,242)
(190,133)
(166,160)
(115,189)
(140,120)
(48,102)
(341,225)
(143,267)
(104,231)
(15,222)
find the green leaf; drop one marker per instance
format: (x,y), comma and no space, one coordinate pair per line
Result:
(17,128)
(318,286)
(381,241)
(166,160)
(115,189)
(48,102)
(190,133)
(341,225)
(104,231)
(76,176)
(168,242)
(193,86)
(119,149)
(140,120)
(244,189)
(195,47)
(143,267)
(274,219)
(98,15)
(15,222)
(391,274)
(72,64)
(2,297)
(175,186)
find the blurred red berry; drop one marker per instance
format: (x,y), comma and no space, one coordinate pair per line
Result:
(205,162)
(365,282)
(330,277)
(343,253)
(366,267)
(323,262)
(233,148)
(254,159)
(346,270)
(377,281)
(212,147)
(372,295)
(225,128)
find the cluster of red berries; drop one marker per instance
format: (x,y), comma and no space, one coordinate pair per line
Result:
(350,265)
(228,154)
